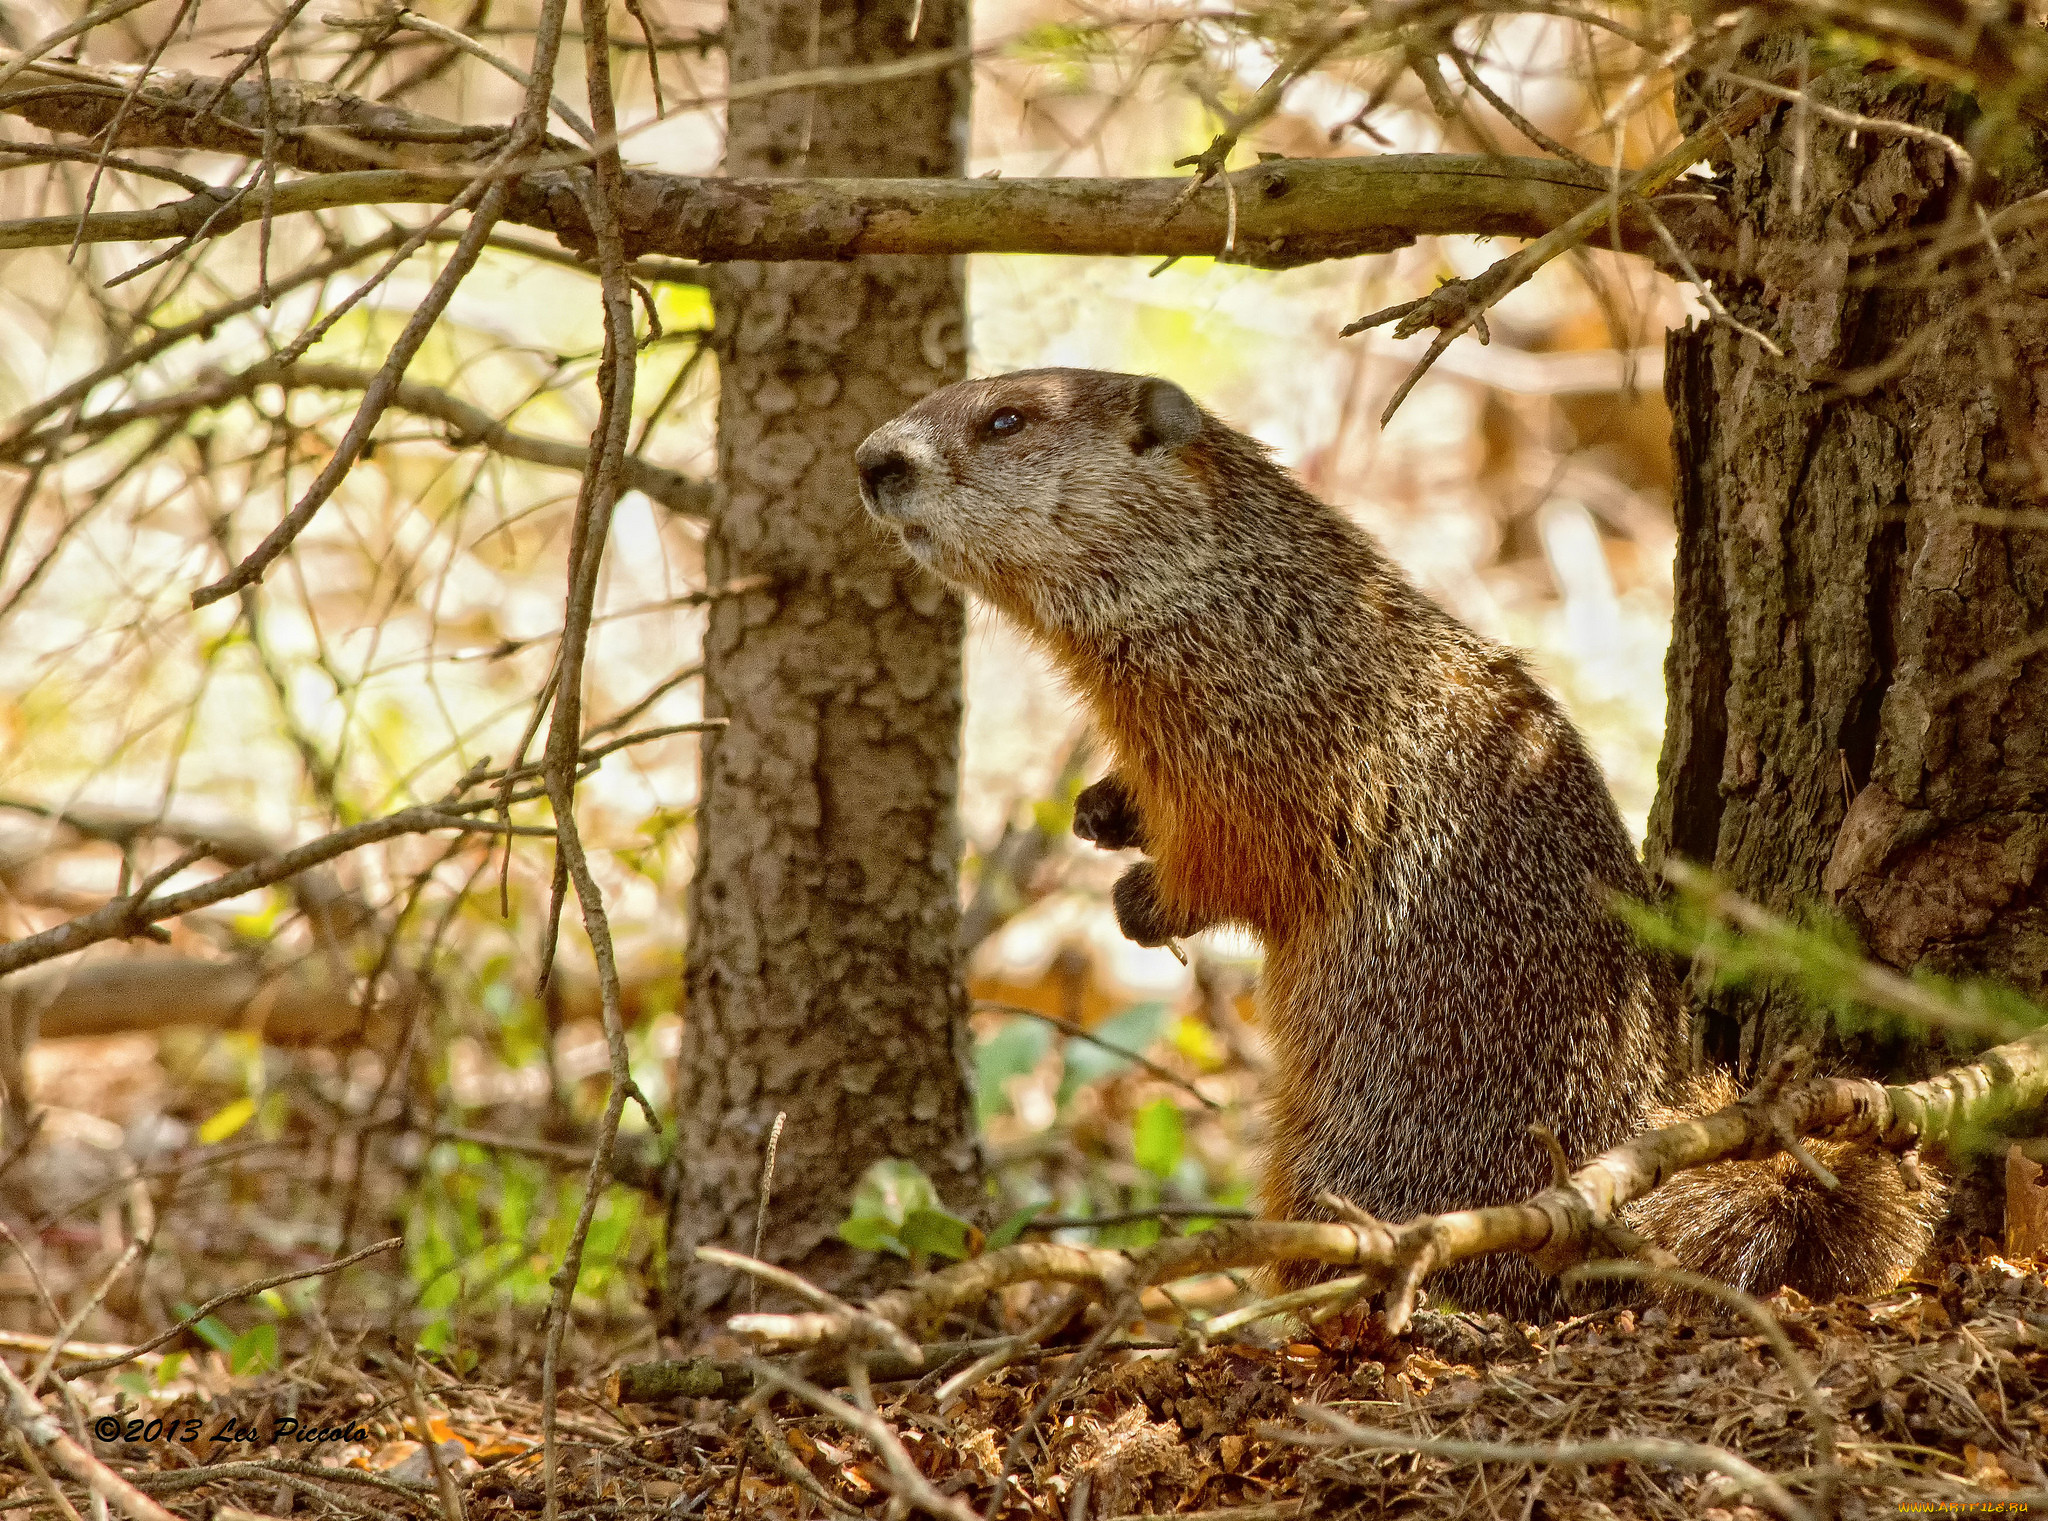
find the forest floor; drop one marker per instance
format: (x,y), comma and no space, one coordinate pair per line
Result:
(1934,1399)
(309,1397)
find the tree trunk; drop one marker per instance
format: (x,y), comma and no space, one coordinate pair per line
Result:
(1858,689)
(822,977)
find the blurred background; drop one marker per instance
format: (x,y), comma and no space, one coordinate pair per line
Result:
(1525,483)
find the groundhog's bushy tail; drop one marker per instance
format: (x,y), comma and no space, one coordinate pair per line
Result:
(1769,1224)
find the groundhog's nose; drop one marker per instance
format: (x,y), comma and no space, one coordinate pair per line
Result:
(884,475)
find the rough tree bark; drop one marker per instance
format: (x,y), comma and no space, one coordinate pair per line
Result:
(1858,686)
(822,976)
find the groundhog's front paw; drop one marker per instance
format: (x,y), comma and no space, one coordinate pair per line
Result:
(1139,913)
(1107,814)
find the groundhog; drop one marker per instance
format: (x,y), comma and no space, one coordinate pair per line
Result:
(1307,746)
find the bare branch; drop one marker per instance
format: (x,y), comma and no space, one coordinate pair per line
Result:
(1461,305)
(376,396)
(113,10)
(1324,39)
(470,426)
(599,193)
(131,914)
(1289,212)
(905,1479)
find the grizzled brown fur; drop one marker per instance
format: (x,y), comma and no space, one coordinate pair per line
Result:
(1307,746)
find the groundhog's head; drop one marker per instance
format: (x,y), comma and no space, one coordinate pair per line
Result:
(1067,497)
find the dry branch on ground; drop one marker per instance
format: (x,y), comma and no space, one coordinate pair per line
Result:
(1562,1224)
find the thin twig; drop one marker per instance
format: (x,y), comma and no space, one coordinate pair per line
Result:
(905,1479)
(141,1233)
(761,1209)
(376,396)
(42,1476)
(100,1365)
(1325,39)
(881,1332)
(1857,122)
(113,132)
(1866,982)
(444,1478)
(1515,118)
(1000,1357)
(469,426)
(791,1467)
(412,21)
(137,911)
(1749,1306)
(113,10)
(1657,1450)
(1460,305)
(1080,1032)
(600,195)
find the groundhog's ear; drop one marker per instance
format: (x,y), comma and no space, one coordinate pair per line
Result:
(1167,418)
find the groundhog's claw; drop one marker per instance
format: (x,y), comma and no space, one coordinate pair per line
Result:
(1140,914)
(1107,814)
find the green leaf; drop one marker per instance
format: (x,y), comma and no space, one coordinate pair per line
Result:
(1013,1228)
(871,1233)
(1014,1048)
(168,1370)
(935,1233)
(262,924)
(255,1350)
(441,1291)
(890,1189)
(212,1330)
(1158,1137)
(1087,1062)
(893,1194)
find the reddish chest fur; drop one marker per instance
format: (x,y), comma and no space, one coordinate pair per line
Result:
(1209,809)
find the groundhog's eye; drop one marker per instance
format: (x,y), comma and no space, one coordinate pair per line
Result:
(1006,422)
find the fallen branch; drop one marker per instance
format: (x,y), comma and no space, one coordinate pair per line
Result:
(1560,1223)
(303,1004)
